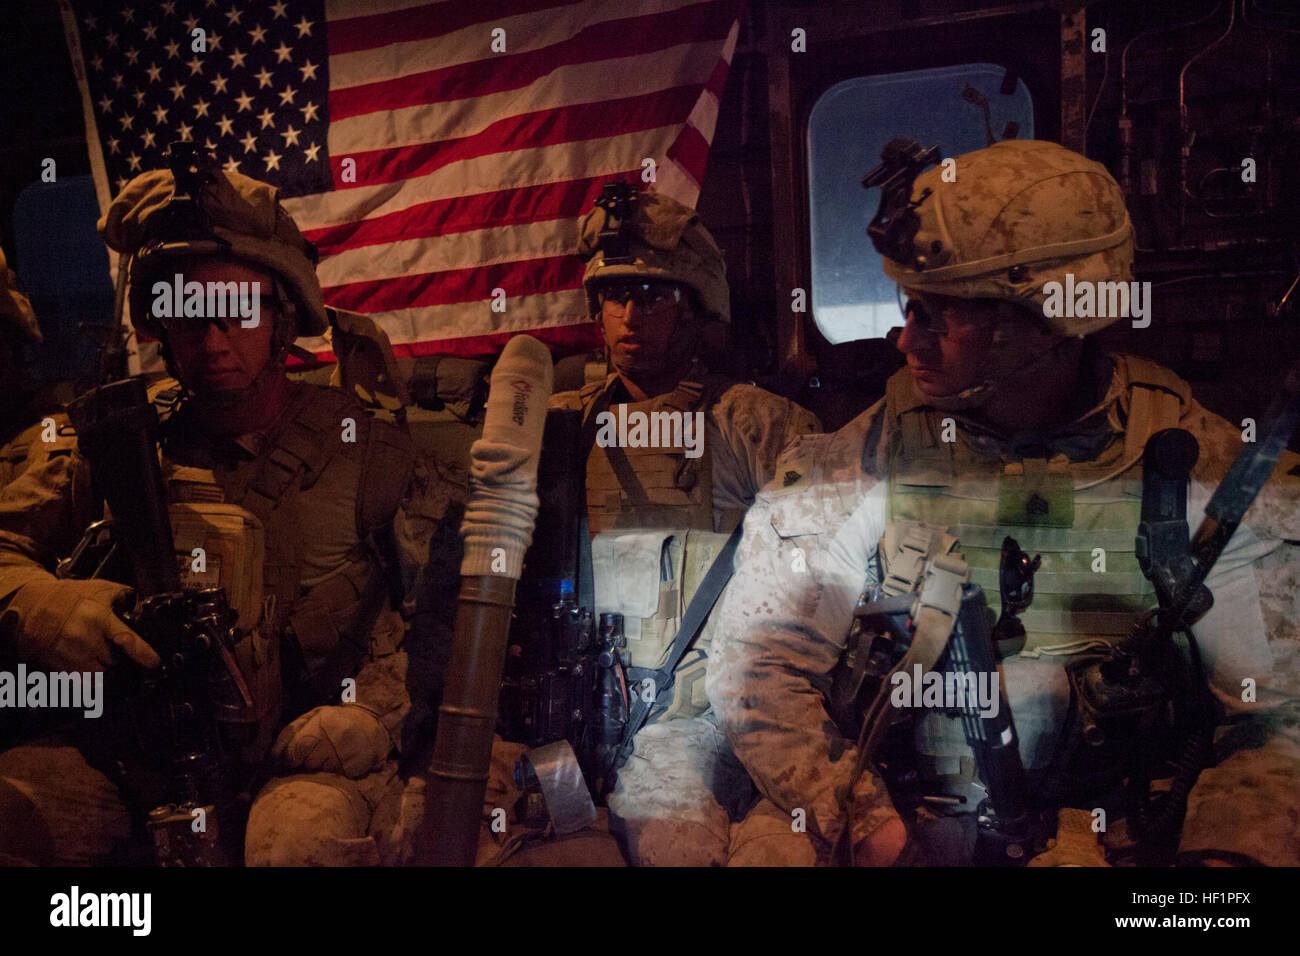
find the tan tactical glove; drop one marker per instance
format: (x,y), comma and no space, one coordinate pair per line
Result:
(338,738)
(69,625)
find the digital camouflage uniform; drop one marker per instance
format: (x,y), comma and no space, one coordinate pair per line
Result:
(667,807)
(785,629)
(301,512)
(1019,215)
(658,519)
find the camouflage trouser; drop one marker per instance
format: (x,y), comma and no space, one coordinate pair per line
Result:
(1242,810)
(325,819)
(683,799)
(57,810)
(1248,804)
(328,819)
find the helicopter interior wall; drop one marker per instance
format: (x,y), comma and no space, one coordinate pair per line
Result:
(1220,254)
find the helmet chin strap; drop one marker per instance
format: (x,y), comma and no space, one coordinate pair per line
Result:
(216,405)
(998,381)
(681,351)
(219,404)
(222,403)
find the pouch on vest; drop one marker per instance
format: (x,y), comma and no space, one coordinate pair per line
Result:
(649,577)
(333,622)
(648,484)
(689,696)
(223,545)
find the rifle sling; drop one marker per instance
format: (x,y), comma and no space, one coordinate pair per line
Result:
(706,595)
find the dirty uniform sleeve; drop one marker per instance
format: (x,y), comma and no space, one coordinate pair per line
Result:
(1249,639)
(44,512)
(1244,805)
(801,567)
(751,428)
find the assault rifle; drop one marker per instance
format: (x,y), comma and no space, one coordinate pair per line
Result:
(944,627)
(564,677)
(165,749)
(1120,730)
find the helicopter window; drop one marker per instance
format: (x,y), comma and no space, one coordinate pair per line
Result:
(849,125)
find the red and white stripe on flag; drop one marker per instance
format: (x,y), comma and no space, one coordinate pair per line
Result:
(473,166)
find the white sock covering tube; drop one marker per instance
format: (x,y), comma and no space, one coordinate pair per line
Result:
(502,505)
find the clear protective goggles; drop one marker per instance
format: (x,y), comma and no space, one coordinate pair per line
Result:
(649,295)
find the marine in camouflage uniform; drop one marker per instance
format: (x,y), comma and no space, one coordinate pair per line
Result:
(1033,405)
(658,517)
(259,473)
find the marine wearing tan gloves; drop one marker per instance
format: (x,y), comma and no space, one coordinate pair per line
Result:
(291,484)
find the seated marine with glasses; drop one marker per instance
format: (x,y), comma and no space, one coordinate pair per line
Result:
(1149,727)
(674,454)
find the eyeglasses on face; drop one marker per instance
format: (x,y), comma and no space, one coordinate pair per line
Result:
(648,296)
(914,310)
(944,319)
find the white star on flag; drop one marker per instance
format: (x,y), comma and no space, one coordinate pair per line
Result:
(472,168)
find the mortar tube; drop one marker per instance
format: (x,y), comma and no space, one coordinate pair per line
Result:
(467,717)
(498,525)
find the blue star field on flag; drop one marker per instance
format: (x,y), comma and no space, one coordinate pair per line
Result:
(252,88)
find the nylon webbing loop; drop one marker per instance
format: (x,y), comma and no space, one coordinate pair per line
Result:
(706,595)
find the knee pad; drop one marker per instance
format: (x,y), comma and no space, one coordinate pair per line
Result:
(317,819)
(663,841)
(24,837)
(767,837)
(76,815)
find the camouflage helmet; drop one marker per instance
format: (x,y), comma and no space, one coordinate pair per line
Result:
(665,240)
(152,220)
(1019,214)
(15,308)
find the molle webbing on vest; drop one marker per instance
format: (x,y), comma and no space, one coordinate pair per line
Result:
(311,436)
(650,487)
(1090,584)
(1072,596)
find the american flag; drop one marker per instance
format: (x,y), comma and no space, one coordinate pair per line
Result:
(438,153)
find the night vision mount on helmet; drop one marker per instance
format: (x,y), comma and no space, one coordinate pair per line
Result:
(647,236)
(893,228)
(195,208)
